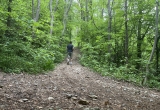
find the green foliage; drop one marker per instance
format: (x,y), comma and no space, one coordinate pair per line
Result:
(153,81)
(121,73)
(20,57)
(26,45)
(107,55)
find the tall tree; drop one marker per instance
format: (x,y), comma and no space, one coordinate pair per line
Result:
(68,4)
(139,39)
(52,14)
(126,31)
(102,11)
(7,32)
(37,10)
(157,46)
(32,9)
(9,11)
(35,16)
(157,56)
(86,11)
(109,24)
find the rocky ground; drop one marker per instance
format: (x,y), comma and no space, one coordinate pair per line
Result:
(73,87)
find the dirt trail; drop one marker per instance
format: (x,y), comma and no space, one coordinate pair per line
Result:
(73,88)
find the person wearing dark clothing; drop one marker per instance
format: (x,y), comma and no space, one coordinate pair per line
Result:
(70,52)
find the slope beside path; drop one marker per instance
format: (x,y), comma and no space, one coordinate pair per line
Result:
(73,87)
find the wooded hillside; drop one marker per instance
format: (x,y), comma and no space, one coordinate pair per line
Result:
(117,38)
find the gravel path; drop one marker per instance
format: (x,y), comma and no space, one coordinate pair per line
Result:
(73,87)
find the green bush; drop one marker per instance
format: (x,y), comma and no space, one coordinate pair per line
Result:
(18,56)
(123,72)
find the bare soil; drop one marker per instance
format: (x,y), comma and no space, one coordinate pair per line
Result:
(73,87)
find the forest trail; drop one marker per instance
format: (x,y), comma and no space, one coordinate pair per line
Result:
(73,87)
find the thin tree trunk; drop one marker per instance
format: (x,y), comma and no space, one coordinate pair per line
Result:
(82,10)
(102,11)
(33,17)
(139,42)
(7,32)
(32,9)
(86,19)
(87,12)
(82,18)
(109,25)
(157,58)
(91,10)
(52,17)
(9,17)
(126,31)
(67,8)
(38,10)
(52,14)
(155,43)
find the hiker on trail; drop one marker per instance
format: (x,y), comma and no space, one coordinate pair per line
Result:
(70,52)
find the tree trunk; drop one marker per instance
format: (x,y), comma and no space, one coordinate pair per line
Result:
(7,32)
(86,11)
(157,58)
(102,12)
(32,9)
(109,25)
(158,37)
(126,31)
(52,14)
(9,17)
(82,11)
(38,10)
(35,17)
(67,8)
(82,18)
(52,17)
(139,42)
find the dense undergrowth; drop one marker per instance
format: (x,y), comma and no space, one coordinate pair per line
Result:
(23,56)
(104,67)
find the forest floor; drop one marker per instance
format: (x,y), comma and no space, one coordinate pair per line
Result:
(73,87)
